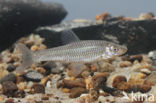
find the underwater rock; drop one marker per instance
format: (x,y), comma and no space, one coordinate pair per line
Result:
(76,92)
(38,88)
(75,69)
(10,77)
(21,17)
(74,83)
(33,76)
(105,67)
(9,88)
(152,54)
(151,79)
(138,36)
(11,67)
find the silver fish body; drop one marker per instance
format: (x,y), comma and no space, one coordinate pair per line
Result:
(75,50)
(81,51)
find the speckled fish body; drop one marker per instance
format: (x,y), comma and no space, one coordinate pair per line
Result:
(81,51)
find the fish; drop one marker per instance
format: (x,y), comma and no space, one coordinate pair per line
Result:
(74,50)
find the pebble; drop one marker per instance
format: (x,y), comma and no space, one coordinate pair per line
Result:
(132,58)
(152,54)
(22,85)
(11,67)
(94,94)
(151,79)
(49,65)
(125,64)
(118,80)
(56,70)
(94,67)
(99,79)
(105,67)
(44,80)
(75,69)
(1,98)
(76,92)
(19,94)
(3,71)
(137,79)
(9,88)
(89,83)
(85,98)
(145,88)
(9,77)
(66,90)
(74,83)
(20,78)
(85,74)
(146,71)
(6,56)
(11,100)
(38,88)
(41,70)
(33,76)
(49,84)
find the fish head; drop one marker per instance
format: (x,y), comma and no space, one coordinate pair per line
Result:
(114,50)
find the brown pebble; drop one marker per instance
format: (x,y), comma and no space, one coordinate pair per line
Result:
(19,94)
(151,79)
(105,67)
(35,48)
(76,92)
(45,98)
(94,94)
(11,100)
(99,79)
(38,88)
(145,88)
(137,79)
(85,74)
(89,83)
(40,69)
(132,58)
(125,64)
(75,69)
(19,79)
(1,98)
(66,90)
(94,67)
(9,88)
(45,80)
(38,101)
(117,80)
(73,83)
(123,86)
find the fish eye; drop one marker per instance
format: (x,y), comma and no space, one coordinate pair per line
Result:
(115,49)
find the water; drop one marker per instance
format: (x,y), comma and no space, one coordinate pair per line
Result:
(88,9)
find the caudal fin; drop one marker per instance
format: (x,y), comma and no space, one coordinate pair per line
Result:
(27,59)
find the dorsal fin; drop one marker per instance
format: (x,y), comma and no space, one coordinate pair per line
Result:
(68,36)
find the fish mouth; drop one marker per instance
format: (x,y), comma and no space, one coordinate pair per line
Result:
(124,50)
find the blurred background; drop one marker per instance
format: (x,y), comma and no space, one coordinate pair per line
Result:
(88,9)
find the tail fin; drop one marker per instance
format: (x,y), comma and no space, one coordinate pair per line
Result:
(27,59)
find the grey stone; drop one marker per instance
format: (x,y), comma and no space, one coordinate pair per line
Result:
(10,77)
(33,76)
(20,17)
